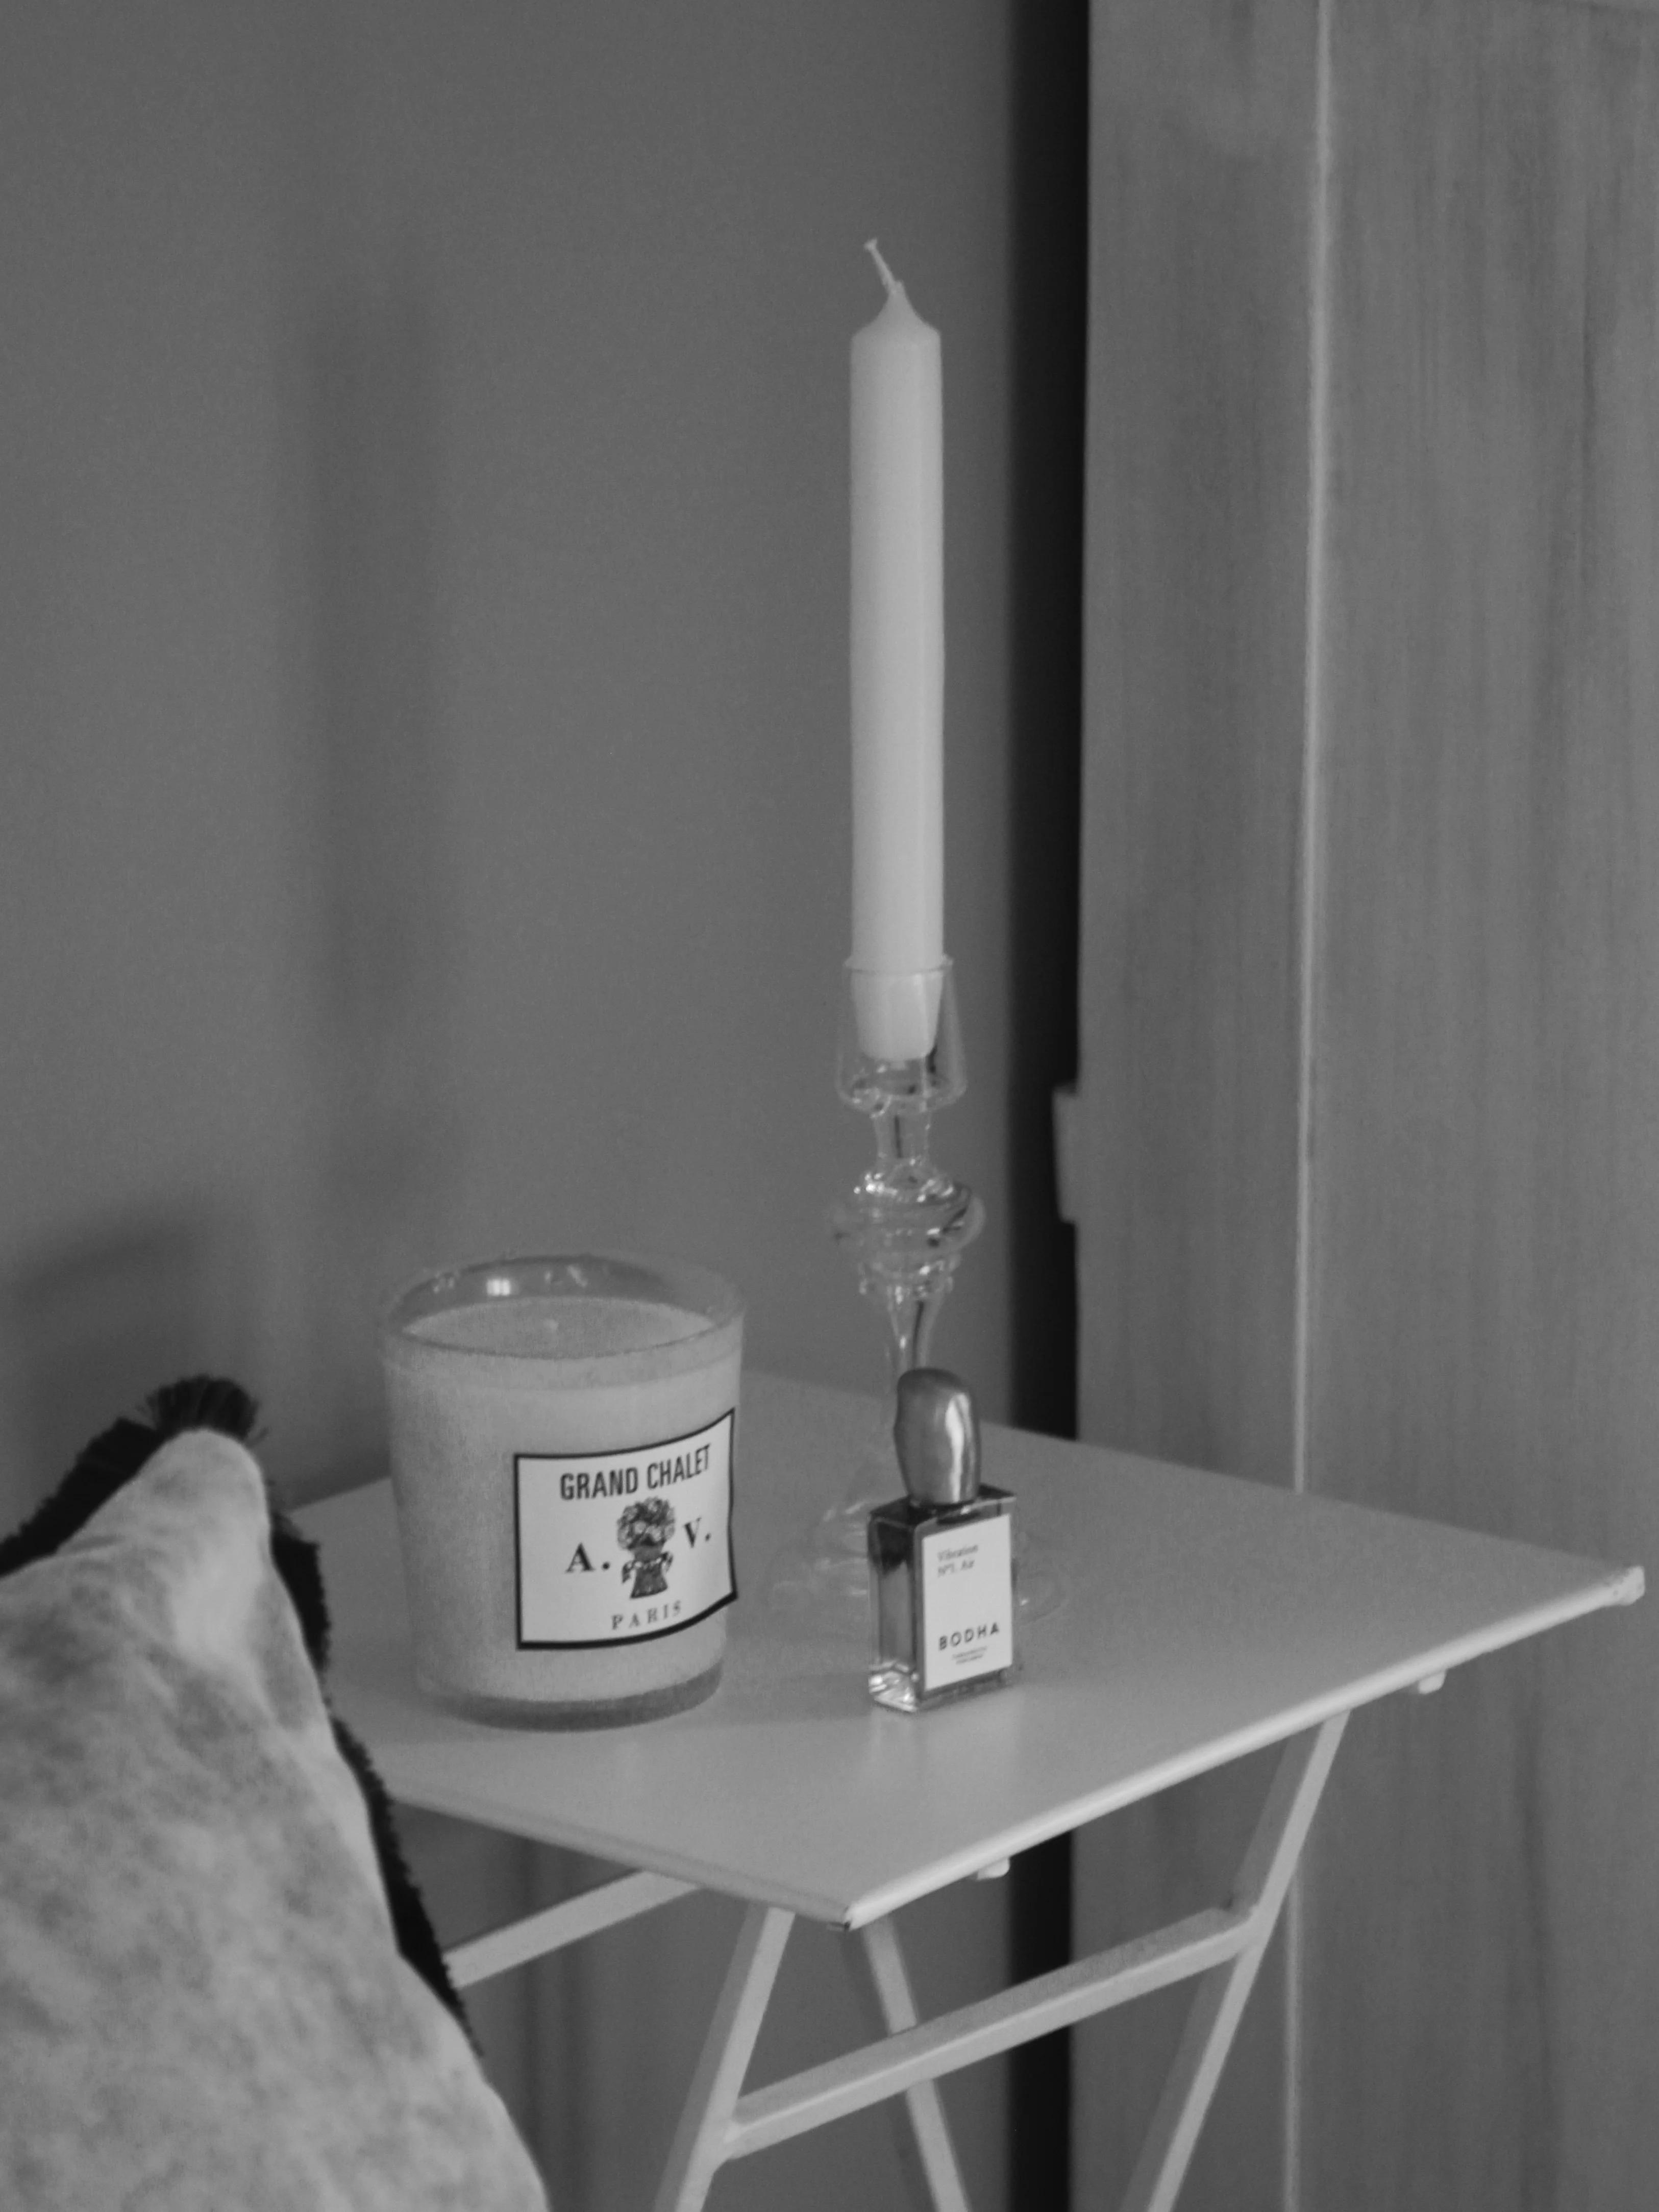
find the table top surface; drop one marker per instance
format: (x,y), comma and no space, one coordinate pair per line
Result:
(1203,1617)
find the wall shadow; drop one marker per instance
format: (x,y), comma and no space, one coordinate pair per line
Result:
(93,1323)
(379,837)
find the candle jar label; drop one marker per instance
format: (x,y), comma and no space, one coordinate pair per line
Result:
(621,1547)
(966,1588)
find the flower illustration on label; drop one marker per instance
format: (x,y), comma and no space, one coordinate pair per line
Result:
(618,1546)
(643,1531)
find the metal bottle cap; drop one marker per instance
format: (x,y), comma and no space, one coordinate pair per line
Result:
(936,1432)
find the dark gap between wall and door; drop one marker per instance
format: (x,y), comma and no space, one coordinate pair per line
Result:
(1050,93)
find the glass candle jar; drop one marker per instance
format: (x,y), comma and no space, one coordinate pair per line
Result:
(563,1436)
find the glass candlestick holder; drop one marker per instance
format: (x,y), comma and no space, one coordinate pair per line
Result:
(904,1225)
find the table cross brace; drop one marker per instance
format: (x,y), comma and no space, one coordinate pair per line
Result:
(1223,1946)
(519,1940)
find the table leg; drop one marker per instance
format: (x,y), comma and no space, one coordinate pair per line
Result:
(700,2140)
(1263,1879)
(894,2007)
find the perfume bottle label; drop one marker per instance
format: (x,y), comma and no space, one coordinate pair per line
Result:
(967,1583)
(617,1547)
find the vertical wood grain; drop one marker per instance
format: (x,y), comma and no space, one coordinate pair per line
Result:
(1480,1274)
(1190,1006)
(1483,1934)
(1194,665)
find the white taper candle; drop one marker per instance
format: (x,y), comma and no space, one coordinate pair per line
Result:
(897,674)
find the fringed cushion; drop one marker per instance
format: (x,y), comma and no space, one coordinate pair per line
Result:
(203,1999)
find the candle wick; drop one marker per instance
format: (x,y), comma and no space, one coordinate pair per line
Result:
(894,287)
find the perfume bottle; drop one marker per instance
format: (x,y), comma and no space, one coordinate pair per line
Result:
(941,1558)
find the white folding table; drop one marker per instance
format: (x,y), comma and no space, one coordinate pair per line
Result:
(1205,1618)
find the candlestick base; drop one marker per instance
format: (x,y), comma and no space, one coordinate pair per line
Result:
(905,1225)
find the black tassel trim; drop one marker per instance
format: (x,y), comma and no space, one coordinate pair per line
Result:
(298,1562)
(116,1455)
(109,1461)
(416,1940)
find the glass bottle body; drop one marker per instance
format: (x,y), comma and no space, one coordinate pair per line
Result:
(942,1587)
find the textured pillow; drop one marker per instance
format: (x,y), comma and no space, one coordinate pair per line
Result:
(203,1998)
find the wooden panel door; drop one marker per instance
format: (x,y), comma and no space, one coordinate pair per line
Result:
(1369,1096)
(1189,1029)
(1483,1929)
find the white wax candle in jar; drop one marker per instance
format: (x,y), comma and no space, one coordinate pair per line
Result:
(897,678)
(561,1434)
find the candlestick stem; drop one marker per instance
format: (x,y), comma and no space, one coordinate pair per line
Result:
(905,1226)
